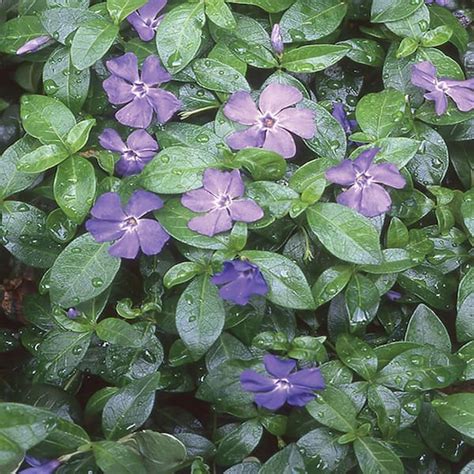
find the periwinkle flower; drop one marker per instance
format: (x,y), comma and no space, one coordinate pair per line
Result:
(271,123)
(111,222)
(73,313)
(139,91)
(364,179)
(462,92)
(140,149)
(34,44)
(283,386)
(339,113)
(145,20)
(240,281)
(221,199)
(277,40)
(40,466)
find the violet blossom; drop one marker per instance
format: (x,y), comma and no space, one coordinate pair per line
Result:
(271,123)
(145,20)
(111,222)
(339,113)
(73,313)
(363,180)
(40,466)
(277,40)
(221,200)
(283,386)
(140,149)
(139,91)
(462,92)
(34,44)
(240,281)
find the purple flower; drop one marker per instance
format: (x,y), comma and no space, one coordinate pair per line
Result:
(462,92)
(220,198)
(393,295)
(40,466)
(124,225)
(145,20)
(73,313)
(277,40)
(339,113)
(365,195)
(441,3)
(297,388)
(139,91)
(241,280)
(273,120)
(139,150)
(34,44)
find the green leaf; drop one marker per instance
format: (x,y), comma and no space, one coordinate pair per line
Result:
(91,42)
(200,315)
(82,271)
(377,113)
(271,6)
(120,9)
(11,455)
(25,425)
(333,408)
(423,368)
(392,10)
(452,116)
(129,407)
(117,458)
(442,16)
(330,283)
(465,308)
(426,328)
(284,462)
(357,355)
(118,331)
(362,300)
(46,119)
(387,408)
(178,37)
(313,58)
(261,164)
(63,81)
(374,456)
(79,134)
(305,21)
(457,411)
(181,273)
(412,26)
(177,169)
(23,233)
(43,158)
(15,33)
(365,51)
(239,443)
(220,14)
(345,233)
(75,187)
(217,76)
(287,284)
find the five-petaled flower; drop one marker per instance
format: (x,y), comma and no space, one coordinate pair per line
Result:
(34,44)
(240,281)
(364,179)
(284,386)
(140,149)
(139,91)
(145,20)
(40,466)
(462,92)
(111,222)
(271,123)
(277,40)
(221,199)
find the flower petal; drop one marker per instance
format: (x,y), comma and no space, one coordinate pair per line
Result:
(241,108)
(424,75)
(245,210)
(363,162)
(152,8)
(129,167)
(388,174)
(299,397)
(125,67)
(212,223)
(140,141)
(374,201)
(137,114)
(118,91)
(238,291)
(145,32)
(310,379)
(152,236)
(251,137)
(277,97)
(298,121)
(271,400)
(127,246)
(252,381)
(104,231)
(463,94)
(277,367)
(280,141)
(108,207)
(153,72)
(164,103)
(440,100)
(223,183)
(229,273)
(111,140)
(199,200)
(142,202)
(343,174)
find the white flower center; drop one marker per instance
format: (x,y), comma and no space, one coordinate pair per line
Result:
(362,180)
(442,86)
(283,384)
(268,121)
(140,89)
(223,201)
(130,223)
